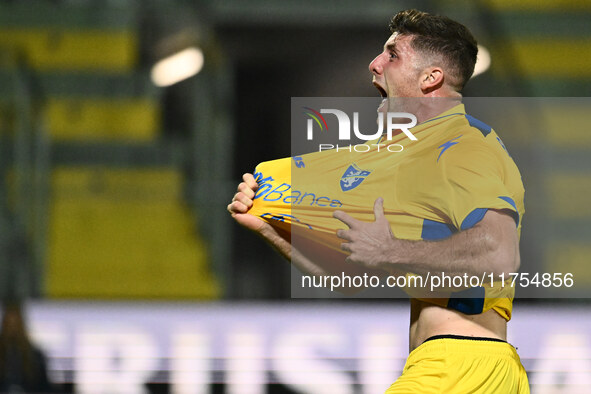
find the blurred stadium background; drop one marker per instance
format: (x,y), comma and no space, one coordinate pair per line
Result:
(113,227)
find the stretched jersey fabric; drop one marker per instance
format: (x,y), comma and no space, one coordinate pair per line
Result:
(436,186)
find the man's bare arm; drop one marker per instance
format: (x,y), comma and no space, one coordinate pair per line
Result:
(491,246)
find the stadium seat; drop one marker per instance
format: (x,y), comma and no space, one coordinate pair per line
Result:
(124,233)
(103,119)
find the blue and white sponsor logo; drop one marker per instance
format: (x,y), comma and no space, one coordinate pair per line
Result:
(353,177)
(270,191)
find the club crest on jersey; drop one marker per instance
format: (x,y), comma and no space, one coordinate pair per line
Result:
(353,177)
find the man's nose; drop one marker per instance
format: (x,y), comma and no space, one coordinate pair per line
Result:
(375,67)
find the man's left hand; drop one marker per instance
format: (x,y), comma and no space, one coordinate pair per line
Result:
(370,243)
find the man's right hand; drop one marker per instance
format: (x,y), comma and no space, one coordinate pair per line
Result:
(242,202)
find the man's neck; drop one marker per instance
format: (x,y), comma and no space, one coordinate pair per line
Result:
(431,107)
(426,107)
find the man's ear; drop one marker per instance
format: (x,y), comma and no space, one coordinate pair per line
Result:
(431,79)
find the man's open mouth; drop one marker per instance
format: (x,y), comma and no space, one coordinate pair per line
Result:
(381,90)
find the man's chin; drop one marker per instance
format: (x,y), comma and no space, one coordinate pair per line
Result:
(382,112)
(383,107)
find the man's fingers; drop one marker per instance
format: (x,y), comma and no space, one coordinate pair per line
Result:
(237,207)
(344,234)
(246,189)
(243,198)
(378,209)
(343,217)
(250,181)
(346,247)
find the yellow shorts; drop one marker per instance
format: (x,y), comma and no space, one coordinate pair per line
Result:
(448,364)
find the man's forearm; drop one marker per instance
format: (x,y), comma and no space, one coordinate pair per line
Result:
(475,251)
(282,244)
(466,252)
(491,246)
(309,259)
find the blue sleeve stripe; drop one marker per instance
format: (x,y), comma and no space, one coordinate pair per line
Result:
(512,203)
(469,301)
(473,217)
(480,125)
(433,231)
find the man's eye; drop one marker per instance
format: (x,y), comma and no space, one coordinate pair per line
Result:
(393,55)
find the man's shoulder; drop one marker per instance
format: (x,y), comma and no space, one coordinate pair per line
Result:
(470,138)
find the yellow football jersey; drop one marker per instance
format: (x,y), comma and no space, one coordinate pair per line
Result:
(436,186)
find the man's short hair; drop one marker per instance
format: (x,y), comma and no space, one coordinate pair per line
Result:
(438,35)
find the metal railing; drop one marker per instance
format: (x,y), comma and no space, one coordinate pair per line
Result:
(25,180)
